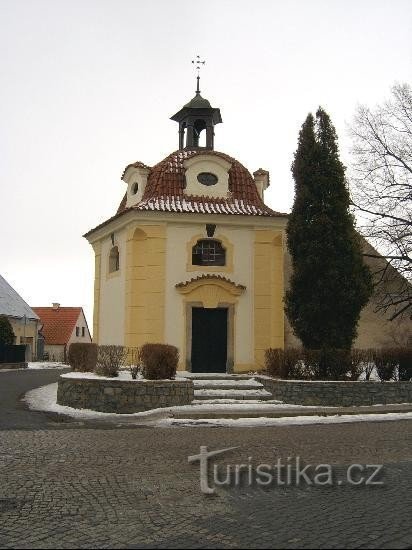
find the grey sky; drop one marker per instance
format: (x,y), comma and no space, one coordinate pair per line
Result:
(88,86)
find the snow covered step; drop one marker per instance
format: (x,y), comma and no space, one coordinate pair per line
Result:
(213,376)
(237,402)
(241,394)
(232,384)
(248,409)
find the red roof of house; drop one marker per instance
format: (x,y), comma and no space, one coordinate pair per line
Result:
(58,323)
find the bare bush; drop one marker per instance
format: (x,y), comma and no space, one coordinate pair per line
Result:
(110,359)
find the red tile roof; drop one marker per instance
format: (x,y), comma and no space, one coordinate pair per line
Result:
(166,183)
(58,324)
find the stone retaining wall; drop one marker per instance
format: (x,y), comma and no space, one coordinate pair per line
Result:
(123,396)
(300,392)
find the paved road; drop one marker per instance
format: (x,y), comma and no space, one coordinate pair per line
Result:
(62,486)
(13,385)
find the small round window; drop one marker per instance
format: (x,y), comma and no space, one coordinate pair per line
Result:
(135,188)
(206,178)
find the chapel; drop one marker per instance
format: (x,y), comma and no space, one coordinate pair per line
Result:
(193,257)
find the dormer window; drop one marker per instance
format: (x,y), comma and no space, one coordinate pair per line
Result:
(207,178)
(114,260)
(135,176)
(208,252)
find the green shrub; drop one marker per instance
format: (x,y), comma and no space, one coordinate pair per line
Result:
(6,331)
(82,357)
(359,361)
(275,362)
(326,364)
(368,362)
(386,360)
(110,359)
(339,364)
(159,361)
(284,363)
(305,364)
(134,363)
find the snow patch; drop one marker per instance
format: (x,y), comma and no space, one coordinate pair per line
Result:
(295,420)
(48,365)
(123,375)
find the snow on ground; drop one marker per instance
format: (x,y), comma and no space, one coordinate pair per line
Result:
(295,420)
(48,365)
(373,375)
(44,399)
(40,365)
(122,376)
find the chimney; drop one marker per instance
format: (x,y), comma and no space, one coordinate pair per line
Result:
(261,181)
(56,305)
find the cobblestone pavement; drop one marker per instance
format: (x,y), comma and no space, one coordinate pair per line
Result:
(65,486)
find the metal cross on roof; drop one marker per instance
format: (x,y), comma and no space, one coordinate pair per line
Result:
(198,62)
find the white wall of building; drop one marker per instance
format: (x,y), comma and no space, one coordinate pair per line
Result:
(55,351)
(112,293)
(81,323)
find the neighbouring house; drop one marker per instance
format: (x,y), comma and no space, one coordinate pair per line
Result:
(195,258)
(24,321)
(61,326)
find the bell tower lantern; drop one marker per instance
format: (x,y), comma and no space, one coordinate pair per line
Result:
(196,116)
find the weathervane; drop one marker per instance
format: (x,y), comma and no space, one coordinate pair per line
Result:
(198,63)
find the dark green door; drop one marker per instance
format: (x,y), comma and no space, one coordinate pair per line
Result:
(209,339)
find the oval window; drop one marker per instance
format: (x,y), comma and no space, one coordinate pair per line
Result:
(206,178)
(135,188)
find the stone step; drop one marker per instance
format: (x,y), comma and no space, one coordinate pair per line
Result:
(249,384)
(213,376)
(237,402)
(248,412)
(265,411)
(240,394)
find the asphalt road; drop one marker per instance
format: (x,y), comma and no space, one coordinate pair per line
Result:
(13,385)
(68,486)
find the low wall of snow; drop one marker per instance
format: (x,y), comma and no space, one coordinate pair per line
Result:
(122,396)
(339,394)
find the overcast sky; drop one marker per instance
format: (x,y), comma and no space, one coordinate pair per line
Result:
(88,86)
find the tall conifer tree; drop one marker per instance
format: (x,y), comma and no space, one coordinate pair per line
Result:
(330,283)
